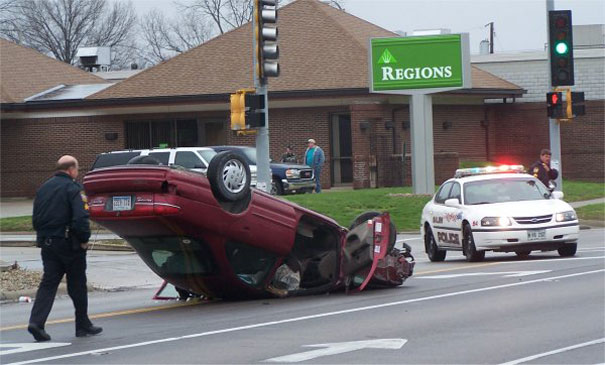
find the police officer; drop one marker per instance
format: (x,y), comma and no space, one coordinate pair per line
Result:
(61,222)
(541,169)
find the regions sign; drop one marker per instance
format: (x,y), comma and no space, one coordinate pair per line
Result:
(412,63)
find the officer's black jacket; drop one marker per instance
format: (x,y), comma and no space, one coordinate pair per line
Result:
(58,205)
(539,171)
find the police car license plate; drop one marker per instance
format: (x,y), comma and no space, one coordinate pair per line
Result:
(535,235)
(121,203)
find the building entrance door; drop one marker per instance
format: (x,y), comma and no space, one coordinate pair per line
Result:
(342,149)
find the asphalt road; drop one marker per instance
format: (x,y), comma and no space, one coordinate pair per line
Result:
(543,309)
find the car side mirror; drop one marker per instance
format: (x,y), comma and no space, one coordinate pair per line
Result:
(452,203)
(557,195)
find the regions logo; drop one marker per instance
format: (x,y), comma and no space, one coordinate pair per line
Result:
(386,58)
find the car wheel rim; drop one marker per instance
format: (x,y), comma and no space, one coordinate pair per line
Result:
(234,176)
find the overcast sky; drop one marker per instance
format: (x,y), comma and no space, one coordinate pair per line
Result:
(520,25)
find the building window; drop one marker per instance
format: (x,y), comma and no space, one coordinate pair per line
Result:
(161,133)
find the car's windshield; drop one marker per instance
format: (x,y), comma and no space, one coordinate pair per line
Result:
(504,190)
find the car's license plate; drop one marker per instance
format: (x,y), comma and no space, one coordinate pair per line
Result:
(535,235)
(121,203)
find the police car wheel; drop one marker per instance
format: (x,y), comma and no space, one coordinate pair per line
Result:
(568,250)
(366,216)
(433,252)
(522,254)
(229,176)
(468,246)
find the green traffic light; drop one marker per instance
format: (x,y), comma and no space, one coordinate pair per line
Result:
(561,48)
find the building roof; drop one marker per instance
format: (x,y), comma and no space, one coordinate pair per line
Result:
(321,48)
(26,72)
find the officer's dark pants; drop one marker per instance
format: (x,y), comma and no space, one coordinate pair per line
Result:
(58,259)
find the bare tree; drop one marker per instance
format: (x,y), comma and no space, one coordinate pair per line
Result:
(60,27)
(226,14)
(163,38)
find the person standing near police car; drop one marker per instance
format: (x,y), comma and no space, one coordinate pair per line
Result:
(541,169)
(60,219)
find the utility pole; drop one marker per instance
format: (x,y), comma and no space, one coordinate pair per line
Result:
(491,37)
(265,55)
(553,124)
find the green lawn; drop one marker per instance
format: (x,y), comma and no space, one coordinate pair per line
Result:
(595,212)
(24,224)
(344,206)
(404,207)
(582,190)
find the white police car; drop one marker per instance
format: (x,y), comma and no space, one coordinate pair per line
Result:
(499,209)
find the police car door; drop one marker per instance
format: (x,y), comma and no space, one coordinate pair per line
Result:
(452,220)
(438,212)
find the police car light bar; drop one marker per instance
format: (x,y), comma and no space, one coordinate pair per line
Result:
(489,170)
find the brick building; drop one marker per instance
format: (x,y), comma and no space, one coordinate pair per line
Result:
(322,93)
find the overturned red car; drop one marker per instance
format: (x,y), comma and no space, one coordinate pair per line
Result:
(215,236)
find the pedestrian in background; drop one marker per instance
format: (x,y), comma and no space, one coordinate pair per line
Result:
(289,156)
(314,157)
(541,169)
(60,219)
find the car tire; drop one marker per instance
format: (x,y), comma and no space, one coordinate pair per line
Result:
(568,250)
(364,217)
(522,254)
(468,245)
(432,250)
(229,176)
(276,187)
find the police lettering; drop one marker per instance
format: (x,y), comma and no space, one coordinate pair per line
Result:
(451,238)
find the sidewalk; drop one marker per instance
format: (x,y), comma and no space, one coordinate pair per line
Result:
(587,202)
(16,207)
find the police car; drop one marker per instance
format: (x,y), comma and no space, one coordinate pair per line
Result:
(500,209)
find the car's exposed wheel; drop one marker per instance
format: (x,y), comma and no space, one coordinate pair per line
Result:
(229,176)
(568,250)
(277,187)
(434,253)
(468,245)
(522,254)
(364,217)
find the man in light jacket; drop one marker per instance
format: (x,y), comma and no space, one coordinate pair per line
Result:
(314,157)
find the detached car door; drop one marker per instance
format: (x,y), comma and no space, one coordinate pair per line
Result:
(438,211)
(452,220)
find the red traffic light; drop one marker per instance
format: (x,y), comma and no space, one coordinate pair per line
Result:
(554,99)
(561,22)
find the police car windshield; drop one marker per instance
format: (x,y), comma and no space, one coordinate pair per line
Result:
(503,191)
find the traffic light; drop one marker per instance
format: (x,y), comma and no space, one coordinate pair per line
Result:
(561,47)
(265,32)
(255,116)
(555,105)
(247,110)
(238,110)
(575,104)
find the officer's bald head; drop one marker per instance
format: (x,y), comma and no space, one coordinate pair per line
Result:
(69,165)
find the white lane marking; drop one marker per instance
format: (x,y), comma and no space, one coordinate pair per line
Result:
(15,348)
(506,274)
(341,348)
(533,260)
(409,239)
(553,352)
(591,249)
(304,318)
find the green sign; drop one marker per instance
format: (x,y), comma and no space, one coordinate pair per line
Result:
(427,62)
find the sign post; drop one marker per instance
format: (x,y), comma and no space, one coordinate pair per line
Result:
(419,67)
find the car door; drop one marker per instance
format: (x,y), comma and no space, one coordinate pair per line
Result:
(438,211)
(452,220)
(190,160)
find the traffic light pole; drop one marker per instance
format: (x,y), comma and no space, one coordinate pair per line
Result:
(263,169)
(554,126)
